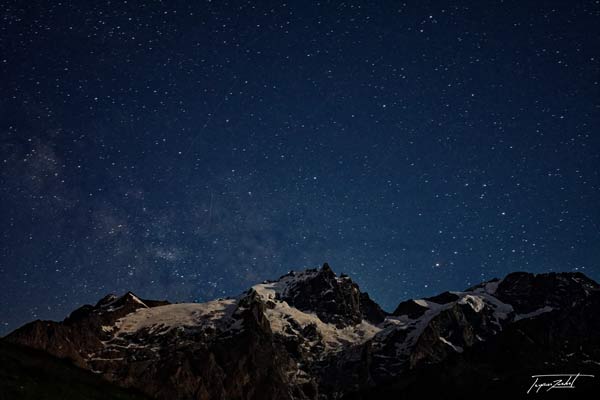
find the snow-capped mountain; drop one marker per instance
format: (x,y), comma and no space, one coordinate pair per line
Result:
(314,335)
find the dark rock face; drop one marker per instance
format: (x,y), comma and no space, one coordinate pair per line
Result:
(442,342)
(370,310)
(313,335)
(528,292)
(560,341)
(443,298)
(335,300)
(410,308)
(459,325)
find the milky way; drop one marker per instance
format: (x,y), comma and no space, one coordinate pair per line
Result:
(188,151)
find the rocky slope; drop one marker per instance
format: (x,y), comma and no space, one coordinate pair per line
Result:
(314,335)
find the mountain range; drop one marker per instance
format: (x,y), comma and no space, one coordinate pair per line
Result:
(313,335)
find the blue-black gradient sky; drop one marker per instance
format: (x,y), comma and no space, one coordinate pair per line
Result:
(187,150)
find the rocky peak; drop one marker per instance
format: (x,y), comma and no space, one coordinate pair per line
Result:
(334,299)
(528,292)
(416,308)
(109,298)
(411,308)
(109,308)
(129,299)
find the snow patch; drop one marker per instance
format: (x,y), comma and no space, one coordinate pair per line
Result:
(165,318)
(422,303)
(458,349)
(533,313)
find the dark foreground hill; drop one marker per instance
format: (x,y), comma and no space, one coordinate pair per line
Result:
(27,373)
(314,335)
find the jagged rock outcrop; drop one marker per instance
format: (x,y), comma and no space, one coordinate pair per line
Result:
(334,300)
(314,335)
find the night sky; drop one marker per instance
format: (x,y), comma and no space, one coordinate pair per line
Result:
(187,150)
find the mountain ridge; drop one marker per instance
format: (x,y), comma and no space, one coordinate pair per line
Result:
(306,335)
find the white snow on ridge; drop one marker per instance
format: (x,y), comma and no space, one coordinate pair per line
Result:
(422,303)
(136,299)
(170,316)
(284,319)
(269,290)
(333,336)
(477,300)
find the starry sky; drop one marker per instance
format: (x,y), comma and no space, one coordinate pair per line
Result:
(187,150)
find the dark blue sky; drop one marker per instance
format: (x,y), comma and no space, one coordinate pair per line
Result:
(187,150)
